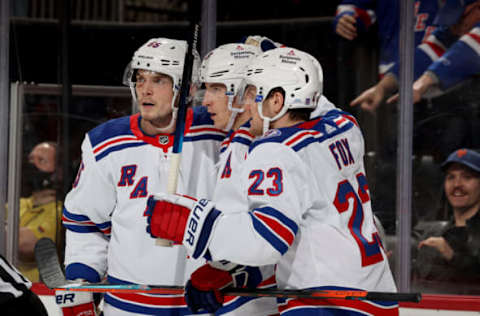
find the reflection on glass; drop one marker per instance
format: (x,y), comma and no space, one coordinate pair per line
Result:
(40,209)
(45,175)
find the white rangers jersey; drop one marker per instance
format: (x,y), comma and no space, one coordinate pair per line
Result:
(106,229)
(309,212)
(233,153)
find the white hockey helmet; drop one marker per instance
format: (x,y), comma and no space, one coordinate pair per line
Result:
(227,64)
(298,73)
(162,55)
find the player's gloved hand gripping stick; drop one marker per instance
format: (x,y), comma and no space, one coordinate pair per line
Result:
(169,215)
(203,291)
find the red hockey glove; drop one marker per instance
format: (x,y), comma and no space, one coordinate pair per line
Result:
(203,290)
(182,219)
(75,303)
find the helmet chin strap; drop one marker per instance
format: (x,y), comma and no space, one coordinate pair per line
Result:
(266,124)
(267,120)
(133,92)
(233,114)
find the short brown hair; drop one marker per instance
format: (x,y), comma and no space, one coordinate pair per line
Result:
(300,114)
(294,114)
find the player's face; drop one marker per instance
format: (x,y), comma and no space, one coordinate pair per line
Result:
(462,187)
(216,102)
(154,96)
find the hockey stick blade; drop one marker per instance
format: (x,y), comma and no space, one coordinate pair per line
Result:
(307,294)
(48,265)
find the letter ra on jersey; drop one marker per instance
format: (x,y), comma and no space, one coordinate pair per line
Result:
(127,178)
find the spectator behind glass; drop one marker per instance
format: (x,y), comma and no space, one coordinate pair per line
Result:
(448,56)
(452,53)
(446,68)
(40,213)
(451,254)
(354,17)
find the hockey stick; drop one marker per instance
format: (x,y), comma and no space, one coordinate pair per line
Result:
(305,294)
(53,277)
(194,10)
(49,267)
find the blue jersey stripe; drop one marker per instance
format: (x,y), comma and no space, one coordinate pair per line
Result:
(83,218)
(323,138)
(104,153)
(231,306)
(82,229)
(81,271)
(326,125)
(223,149)
(242,140)
(75,217)
(263,231)
(133,308)
(280,216)
(113,128)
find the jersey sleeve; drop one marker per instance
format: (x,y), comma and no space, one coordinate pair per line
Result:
(274,181)
(429,51)
(362,10)
(460,61)
(87,218)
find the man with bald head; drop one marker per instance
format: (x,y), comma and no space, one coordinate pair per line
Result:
(40,213)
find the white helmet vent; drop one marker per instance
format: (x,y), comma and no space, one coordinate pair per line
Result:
(219,73)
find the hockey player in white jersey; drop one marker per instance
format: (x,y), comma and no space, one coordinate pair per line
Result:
(308,204)
(223,74)
(124,161)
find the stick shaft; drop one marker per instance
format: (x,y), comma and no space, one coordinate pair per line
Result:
(307,294)
(175,159)
(194,22)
